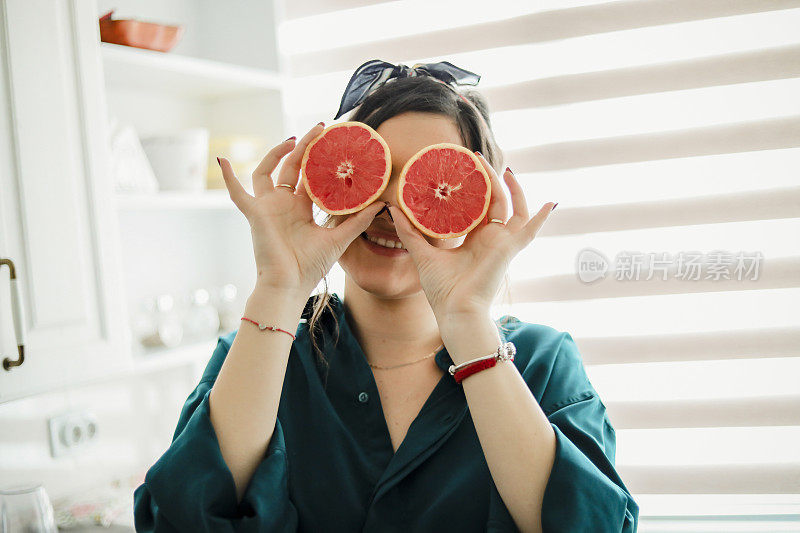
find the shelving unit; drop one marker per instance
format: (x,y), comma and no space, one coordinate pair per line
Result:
(223,76)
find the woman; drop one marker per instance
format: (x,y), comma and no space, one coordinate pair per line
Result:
(353,427)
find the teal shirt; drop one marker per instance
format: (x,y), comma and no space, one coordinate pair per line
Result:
(330,465)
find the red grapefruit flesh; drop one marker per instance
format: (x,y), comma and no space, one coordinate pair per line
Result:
(346,167)
(444,190)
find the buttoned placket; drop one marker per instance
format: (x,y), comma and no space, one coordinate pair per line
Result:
(442,412)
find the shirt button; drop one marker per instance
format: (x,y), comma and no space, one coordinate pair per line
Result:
(363,397)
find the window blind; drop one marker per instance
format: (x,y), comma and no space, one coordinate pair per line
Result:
(663,128)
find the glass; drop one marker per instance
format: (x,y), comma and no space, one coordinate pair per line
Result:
(26,509)
(201,320)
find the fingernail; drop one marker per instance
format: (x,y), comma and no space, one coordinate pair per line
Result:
(554,206)
(508,169)
(290,138)
(480,154)
(320,123)
(219,162)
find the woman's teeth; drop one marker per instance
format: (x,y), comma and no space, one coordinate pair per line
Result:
(383,242)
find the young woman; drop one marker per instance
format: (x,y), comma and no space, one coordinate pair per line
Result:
(346,424)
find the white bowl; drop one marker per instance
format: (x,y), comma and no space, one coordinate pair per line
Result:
(179,159)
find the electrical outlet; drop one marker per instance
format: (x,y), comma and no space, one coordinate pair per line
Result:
(71,431)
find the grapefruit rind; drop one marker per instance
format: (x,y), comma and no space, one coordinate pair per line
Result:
(385,178)
(409,211)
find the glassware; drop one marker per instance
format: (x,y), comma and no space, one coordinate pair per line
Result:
(26,509)
(202,318)
(229,308)
(169,329)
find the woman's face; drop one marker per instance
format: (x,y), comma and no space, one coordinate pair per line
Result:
(396,275)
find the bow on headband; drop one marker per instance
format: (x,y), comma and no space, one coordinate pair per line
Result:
(375,73)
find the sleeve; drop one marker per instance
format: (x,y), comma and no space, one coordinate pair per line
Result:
(584,491)
(190,488)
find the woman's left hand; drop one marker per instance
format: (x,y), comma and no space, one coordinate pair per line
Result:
(465,280)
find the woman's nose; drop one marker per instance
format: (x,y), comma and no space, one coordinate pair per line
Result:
(385,208)
(389,194)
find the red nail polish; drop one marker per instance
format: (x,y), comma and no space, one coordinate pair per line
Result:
(290,138)
(508,169)
(219,162)
(554,206)
(320,123)
(477,152)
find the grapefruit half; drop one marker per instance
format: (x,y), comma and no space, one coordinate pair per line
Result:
(444,190)
(346,167)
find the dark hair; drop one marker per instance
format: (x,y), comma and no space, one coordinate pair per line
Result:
(420,94)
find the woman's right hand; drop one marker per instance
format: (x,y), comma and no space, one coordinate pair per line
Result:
(292,252)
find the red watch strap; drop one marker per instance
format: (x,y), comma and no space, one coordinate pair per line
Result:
(473,368)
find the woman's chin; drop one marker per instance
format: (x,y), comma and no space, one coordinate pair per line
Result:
(381,279)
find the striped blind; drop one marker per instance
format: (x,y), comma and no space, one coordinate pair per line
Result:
(669,133)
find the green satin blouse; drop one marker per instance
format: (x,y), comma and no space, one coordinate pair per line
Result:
(330,465)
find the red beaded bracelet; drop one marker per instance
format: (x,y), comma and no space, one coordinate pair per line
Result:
(262,327)
(505,352)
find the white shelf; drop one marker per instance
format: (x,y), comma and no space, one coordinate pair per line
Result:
(136,68)
(164,359)
(175,200)
(155,361)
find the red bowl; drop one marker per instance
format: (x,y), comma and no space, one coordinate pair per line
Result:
(138,34)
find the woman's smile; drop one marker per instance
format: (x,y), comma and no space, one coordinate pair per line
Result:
(383,246)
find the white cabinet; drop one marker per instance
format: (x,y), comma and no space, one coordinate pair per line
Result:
(87,257)
(56,207)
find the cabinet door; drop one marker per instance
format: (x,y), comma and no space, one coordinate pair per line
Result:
(58,223)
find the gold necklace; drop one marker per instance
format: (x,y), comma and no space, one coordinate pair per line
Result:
(406,364)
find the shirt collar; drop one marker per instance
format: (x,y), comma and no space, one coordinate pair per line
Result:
(442,357)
